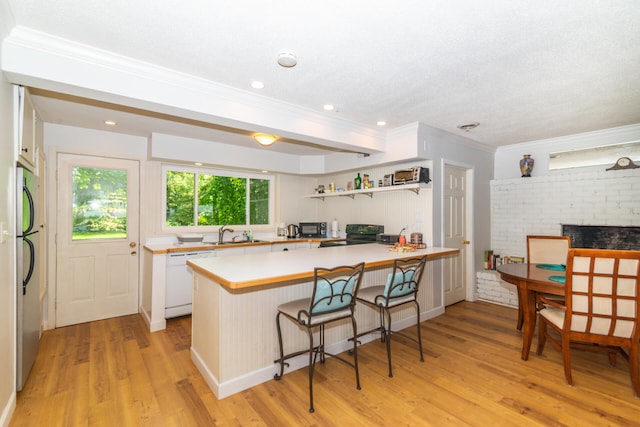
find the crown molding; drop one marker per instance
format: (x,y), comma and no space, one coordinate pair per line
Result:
(40,60)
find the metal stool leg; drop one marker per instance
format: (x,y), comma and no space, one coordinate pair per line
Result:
(419,334)
(387,333)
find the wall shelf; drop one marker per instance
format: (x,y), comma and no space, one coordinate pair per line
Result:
(369,191)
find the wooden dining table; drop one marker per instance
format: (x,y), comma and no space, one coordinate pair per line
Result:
(530,279)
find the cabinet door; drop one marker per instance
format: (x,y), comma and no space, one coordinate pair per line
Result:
(283,247)
(27,121)
(229,252)
(257,249)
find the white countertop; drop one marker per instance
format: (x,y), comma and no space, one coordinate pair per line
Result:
(164,248)
(244,271)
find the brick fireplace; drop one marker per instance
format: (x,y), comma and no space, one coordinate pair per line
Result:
(560,204)
(603,236)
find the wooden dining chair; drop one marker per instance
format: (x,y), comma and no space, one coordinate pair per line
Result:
(551,250)
(333,298)
(601,310)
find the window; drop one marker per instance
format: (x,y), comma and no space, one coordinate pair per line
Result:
(201,198)
(99,203)
(603,155)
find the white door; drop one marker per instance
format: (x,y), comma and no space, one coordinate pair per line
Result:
(455,233)
(97,235)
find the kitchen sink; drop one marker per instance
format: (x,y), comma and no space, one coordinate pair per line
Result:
(236,242)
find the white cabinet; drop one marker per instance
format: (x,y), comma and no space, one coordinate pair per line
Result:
(230,251)
(26,126)
(257,249)
(290,246)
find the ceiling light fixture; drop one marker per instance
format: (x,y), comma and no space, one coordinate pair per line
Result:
(110,122)
(265,139)
(381,123)
(287,59)
(328,107)
(257,84)
(468,126)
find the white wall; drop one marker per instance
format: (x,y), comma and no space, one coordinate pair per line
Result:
(542,203)
(394,210)
(583,196)
(507,158)
(446,148)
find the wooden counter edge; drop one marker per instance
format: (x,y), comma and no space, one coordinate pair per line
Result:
(214,246)
(304,275)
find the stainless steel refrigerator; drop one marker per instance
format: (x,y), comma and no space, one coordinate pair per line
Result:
(28,287)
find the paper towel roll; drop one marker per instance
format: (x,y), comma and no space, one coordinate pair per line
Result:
(335,228)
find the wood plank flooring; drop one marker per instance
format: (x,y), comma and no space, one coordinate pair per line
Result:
(115,373)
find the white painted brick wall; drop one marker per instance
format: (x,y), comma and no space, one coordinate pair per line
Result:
(540,205)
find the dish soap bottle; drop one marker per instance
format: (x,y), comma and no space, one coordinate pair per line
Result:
(357,182)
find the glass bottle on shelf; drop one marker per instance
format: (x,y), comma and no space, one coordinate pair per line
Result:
(357,183)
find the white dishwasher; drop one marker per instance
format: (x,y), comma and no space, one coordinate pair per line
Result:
(179,282)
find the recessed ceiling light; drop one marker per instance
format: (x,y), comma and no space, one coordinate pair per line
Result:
(328,107)
(468,126)
(287,59)
(198,164)
(110,122)
(257,84)
(381,123)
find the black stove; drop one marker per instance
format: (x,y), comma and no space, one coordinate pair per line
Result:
(358,234)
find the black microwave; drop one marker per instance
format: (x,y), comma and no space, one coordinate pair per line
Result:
(313,229)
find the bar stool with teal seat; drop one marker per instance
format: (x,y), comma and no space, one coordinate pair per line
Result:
(333,298)
(401,288)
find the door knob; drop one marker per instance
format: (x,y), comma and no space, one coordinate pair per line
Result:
(133,253)
(466,242)
(132,244)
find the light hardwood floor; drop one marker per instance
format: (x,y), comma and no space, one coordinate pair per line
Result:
(115,373)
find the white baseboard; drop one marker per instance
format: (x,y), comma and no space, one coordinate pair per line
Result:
(8,410)
(155,326)
(262,375)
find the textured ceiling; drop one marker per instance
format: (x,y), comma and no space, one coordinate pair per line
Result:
(524,70)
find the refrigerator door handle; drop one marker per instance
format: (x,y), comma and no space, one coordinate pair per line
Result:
(26,191)
(31,265)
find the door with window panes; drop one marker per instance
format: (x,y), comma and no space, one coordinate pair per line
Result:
(97,236)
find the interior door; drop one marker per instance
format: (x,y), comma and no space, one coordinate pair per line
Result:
(455,207)
(97,234)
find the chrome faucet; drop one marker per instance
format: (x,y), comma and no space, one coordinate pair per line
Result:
(221,233)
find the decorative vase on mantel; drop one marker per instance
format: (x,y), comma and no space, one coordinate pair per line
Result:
(526,165)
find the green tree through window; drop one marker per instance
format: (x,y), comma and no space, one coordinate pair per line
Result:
(99,203)
(198,198)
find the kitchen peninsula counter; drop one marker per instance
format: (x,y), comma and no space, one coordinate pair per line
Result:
(277,267)
(235,299)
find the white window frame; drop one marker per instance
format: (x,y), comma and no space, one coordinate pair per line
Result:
(217,172)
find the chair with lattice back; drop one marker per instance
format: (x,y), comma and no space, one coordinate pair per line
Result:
(333,298)
(602,302)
